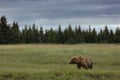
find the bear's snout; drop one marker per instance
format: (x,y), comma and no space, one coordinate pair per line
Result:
(71,62)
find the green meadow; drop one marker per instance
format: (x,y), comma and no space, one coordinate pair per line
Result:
(51,62)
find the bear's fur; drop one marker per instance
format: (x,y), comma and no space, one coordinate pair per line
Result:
(85,62)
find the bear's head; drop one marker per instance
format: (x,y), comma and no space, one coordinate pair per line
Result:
(75,60)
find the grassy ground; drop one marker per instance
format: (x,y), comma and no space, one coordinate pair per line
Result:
(51,62)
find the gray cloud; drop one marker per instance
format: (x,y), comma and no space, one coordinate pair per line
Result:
(61,11)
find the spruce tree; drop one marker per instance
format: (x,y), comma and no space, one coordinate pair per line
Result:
(60,35)
(65,35)
(100,36)
(106,36)
(52,37)
(94,36)
(15,33)
(35,34)
(90,35)
(5,32)
(117,35)
(78,34)
(24,34)
(71,36)
(46,35)
(111,36)
(41,35)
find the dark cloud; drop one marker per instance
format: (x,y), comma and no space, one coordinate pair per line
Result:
(60,10)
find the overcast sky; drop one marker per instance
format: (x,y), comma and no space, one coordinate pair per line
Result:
(51,13)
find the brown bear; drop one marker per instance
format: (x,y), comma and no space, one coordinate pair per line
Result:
(85,62)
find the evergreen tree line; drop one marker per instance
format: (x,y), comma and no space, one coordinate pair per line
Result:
(11,34)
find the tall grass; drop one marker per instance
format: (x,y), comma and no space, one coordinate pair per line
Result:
(51,62)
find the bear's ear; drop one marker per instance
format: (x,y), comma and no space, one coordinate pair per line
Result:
(81,57)
(75,58)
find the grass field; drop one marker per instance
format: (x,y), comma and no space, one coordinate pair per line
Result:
(51,62)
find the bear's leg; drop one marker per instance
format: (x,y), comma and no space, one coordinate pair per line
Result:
(78,66)
(91,66)
(91,63)
(85,66)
